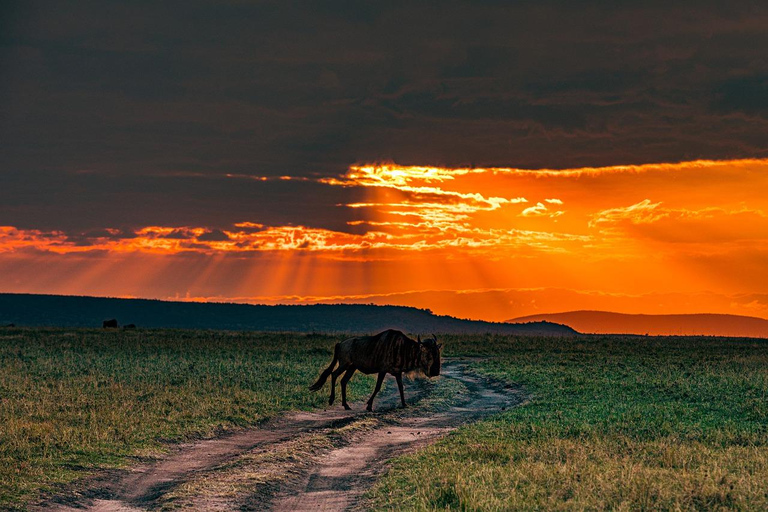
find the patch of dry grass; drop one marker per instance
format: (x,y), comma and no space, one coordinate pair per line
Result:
(257,471)
(232,485)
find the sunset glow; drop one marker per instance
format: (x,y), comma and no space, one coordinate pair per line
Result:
(483,243)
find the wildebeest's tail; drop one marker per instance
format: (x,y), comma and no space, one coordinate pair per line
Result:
(324,376)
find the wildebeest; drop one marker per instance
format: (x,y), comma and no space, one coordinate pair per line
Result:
(107,324)
(387,352)
(129,327)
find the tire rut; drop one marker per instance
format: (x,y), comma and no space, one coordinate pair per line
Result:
(333,479)
(342,477)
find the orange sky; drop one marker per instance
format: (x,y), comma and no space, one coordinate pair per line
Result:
(479,243)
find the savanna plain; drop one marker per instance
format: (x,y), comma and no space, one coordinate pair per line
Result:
(620,423)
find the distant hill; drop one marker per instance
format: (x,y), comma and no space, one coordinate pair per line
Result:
(69,311)
(602,322)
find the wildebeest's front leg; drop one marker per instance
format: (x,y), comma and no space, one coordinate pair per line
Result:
(344,381)
(399,377)
(376,390)
(338,371)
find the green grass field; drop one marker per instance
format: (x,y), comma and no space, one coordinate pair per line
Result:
(612,423)
(73,400)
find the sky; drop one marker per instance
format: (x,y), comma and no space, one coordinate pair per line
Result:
(481,159)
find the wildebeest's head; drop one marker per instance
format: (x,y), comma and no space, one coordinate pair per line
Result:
(430,356)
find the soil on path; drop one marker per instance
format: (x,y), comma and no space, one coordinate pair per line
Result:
(356,448)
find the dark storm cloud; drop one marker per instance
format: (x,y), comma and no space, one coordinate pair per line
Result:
(54,200)
(214,236)
(746,94)
(107,109)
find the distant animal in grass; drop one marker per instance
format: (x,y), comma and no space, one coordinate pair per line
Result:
(387,352)
(109,324)
(129,327)
(9,325)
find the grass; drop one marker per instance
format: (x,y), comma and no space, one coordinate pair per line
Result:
(613,423)
(76,400)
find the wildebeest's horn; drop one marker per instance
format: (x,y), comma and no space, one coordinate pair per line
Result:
(434,336)
(418,338)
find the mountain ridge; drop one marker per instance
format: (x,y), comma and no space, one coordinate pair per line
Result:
(683,324)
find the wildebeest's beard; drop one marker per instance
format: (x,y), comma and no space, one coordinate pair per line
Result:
(434,370)
(430,358)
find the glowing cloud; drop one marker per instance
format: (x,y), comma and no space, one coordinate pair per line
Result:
(640,213)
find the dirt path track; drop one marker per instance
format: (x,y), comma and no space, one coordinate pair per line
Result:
(333,478)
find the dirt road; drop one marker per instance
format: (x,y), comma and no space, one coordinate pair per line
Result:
(301,461)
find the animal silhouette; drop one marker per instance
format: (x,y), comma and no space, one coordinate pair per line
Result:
(387,352)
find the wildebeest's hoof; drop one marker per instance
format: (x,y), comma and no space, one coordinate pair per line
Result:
(347,407)
(330,401)
(369,408)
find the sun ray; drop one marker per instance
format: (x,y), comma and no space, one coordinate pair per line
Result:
(688,227)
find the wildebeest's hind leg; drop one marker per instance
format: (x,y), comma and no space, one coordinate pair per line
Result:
(376,390)
(338,371)
(344,381)
(399,377)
